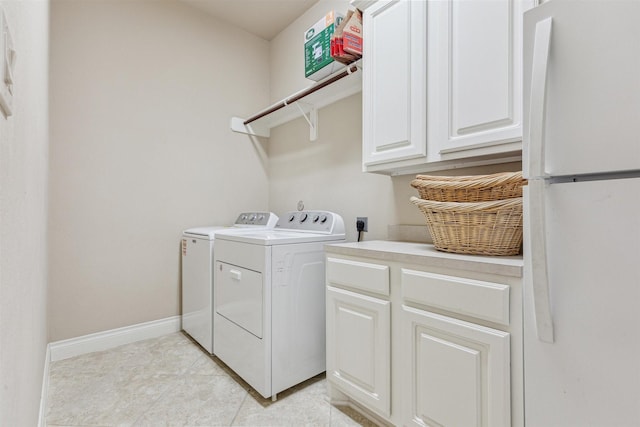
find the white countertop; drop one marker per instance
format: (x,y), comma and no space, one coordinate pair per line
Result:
(426,254)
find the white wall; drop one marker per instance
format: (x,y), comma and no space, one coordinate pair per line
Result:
(142,93)
(23,212)
(326,174)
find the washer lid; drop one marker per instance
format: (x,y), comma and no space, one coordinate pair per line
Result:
(245,221)
(211,232)
(278,237)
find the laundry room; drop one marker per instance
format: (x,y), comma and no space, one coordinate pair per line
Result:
(138,148)
(136,132)
(141,98)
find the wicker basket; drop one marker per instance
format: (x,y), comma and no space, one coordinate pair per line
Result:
(474,188)
(478,228)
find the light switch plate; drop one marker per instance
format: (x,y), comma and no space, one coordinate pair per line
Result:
(7,66)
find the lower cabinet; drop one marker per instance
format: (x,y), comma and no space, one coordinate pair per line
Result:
(457,373)
(428,347)
(358,353)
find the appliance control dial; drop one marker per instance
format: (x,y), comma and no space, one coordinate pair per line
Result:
(303,217)
(292,217)
(323,218)
(315,218)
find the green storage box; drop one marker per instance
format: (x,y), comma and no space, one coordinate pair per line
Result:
(318,62)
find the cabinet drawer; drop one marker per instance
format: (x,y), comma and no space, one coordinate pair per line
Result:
(358,275)
(475,298)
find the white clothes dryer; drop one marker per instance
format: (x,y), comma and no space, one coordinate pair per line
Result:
(197,273)
(269,305)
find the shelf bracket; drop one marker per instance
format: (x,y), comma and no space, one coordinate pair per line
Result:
(237,125)
(312,119)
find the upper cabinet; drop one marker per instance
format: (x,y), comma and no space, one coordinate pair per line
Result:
(442,84)
(478,67)
(394,97)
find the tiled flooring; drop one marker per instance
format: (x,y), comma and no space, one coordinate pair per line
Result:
(170,381)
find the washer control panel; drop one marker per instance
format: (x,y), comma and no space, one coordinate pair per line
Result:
(315,221)
(267,219)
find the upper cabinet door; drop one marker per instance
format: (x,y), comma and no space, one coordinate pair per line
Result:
(477,63)
(394,81)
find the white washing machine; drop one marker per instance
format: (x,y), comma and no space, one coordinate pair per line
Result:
(269,305)
(197,273)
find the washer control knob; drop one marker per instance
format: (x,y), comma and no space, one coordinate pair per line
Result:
(260,217)
(315,218)
(252,217)
(243,217)
(323,218)
(292,217)
(303,217)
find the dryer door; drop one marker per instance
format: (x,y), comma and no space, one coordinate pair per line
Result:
(239,297)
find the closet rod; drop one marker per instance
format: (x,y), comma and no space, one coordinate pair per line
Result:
(349,70)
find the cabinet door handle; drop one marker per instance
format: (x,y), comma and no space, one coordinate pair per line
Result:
(235,275)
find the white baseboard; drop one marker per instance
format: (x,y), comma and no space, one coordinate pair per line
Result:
(113,338)
(44,393)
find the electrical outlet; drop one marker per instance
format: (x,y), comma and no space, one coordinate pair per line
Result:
(365,220)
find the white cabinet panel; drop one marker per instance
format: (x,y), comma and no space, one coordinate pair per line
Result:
(436,382)
(358,275)
(480,299)
(358,347)
(478,61)
(458,373)
(394,81)
(391,59)
(480,30)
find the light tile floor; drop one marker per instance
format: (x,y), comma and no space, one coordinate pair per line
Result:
(171,381)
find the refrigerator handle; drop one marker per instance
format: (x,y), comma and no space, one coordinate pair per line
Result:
(538,252)
(537,100)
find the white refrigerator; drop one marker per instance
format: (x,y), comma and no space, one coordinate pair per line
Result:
(581,154)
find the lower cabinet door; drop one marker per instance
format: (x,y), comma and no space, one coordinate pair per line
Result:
(358,347)
(455,373)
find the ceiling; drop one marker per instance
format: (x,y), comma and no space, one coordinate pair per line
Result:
(264,18)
